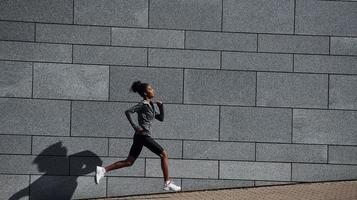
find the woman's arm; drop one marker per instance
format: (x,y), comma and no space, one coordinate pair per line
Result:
(130,111)
(160,116)
(22,193)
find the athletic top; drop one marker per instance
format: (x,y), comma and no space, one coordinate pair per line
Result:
(146,113)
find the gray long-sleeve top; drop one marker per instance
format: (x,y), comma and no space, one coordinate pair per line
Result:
(146,113)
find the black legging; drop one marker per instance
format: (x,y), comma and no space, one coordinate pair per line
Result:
(144,140)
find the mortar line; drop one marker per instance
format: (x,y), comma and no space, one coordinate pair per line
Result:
(34,36)
(328,148)
(32,69)
(182,146)
(294,16)
(293,62)
(148,13)
(222,16)
(180,29)
(256,89)
(257,43)
(329,45)
(109,82)
(219,123)
(292,125)
(73,11)
(168,48)
(70,118)
(328,91)
(183,86)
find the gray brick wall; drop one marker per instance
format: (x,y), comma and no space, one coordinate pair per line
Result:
(255,93)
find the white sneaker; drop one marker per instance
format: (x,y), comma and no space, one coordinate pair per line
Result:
(100,171)
(171,186)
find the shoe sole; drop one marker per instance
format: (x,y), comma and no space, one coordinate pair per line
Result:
(168,189)
(96,175)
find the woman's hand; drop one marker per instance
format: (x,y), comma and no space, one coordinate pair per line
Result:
(159,103)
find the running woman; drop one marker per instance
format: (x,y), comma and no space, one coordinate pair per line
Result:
(146,113)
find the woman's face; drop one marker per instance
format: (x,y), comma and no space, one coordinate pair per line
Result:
(150,91)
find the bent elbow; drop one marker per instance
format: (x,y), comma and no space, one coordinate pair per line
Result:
(127,113)
(160,118)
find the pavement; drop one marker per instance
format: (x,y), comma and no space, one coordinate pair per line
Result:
(336,190)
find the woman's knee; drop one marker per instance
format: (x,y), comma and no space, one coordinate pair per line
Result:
(129,161)
(164,154)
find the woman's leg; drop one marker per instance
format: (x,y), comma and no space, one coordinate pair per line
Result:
(134,152)
(165,165)
(156,148)
(151,144)
(122,163)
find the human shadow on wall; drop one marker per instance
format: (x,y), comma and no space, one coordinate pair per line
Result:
(54,184)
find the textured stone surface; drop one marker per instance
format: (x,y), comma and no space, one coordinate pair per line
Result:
(342,154)
(323,172)
(257,61)
(255,124)
(86,188)
(109,55)
(72,34)
(100,119)
(292,90)
(186,14)
(343,92)
(326,18)
(67,81)
(37,11)
(103,119)
(34,117)
(120,186)
(293,44)
(255,170)
(17,31)
(272,16)
(218,150)
(325,64)
(291,153)
(15,144)
(26,51)
(183,58)
(219,87)
(200,184)
(27,164)
(147,37)
(191,122)
(78,162)
(97,146)
(132,13)
(167,83)
(184,168)
(16,79)
(268,183)
(343,46)
(12,184)
(220,41)
(255,93)
(65,187)
(322,126)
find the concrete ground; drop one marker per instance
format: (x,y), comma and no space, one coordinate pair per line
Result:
(341,190)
